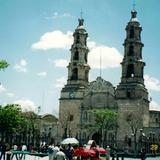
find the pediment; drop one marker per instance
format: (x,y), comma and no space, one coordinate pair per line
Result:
(99,85)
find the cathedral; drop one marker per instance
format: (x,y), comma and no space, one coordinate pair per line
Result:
(129,99)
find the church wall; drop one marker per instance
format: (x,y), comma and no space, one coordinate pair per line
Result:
(69,116)
(138,109)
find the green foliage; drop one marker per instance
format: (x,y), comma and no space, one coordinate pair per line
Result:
(3,64)
(15,122)
(105,118)
(10,117)
(133,120)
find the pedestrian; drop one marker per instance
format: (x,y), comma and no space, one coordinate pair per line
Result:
(50,151)
(69,152)
(24,148)
(143,154)
(55,150)
(3,148)
(14,148)
(60,155)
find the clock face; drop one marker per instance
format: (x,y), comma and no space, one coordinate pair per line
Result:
(71,94)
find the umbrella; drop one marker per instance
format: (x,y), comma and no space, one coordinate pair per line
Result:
(72,141)
(101,150)
(78,151)
(84,152)
(89,152)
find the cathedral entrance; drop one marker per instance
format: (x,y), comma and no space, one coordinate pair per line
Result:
(97,137)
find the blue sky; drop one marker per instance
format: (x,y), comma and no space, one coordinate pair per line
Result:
(35,37)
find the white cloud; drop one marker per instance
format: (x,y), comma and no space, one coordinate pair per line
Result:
(58,15)
(42,74)
(152,83)
(9,94)
(61,63)
(21,66)
(23,62)
(26,105)
(91,44)
(55,39)
(2,88)
(154,106)
(60,82)
(110,57)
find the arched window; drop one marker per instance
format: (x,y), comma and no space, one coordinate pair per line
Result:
(85,57)
(85,116)
(74,74)
(84,135)
(130,70)
(131,33)
(76,55)
(131,50)
(128,94)
(77,39)
(86,75)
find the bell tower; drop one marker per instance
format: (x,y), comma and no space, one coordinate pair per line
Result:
(131,93)
(72,93)
(132,80)
(78,69)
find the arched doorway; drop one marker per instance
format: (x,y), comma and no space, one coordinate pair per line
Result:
(97,137)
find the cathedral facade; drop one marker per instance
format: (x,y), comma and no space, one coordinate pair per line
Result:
(129,98)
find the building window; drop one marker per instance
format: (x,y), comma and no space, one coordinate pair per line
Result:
(77,39)
(76,55)
(85,116)
(130,70)
(86,75)
(74,74)
(131,33)
(85,57)
(84,135)
(131,50)
(128,94)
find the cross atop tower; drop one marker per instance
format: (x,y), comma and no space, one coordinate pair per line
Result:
(81,14)
(81,20)
(134,4)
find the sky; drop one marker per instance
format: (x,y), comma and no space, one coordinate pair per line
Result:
(36,35)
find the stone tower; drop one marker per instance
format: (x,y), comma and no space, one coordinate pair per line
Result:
(72,93)
(131,94)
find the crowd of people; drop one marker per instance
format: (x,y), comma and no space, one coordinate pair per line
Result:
(4,147)
(55,152)
(58,152)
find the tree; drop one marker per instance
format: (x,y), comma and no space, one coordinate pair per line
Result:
(3,64)
(31,129)
(10,118)
(134,120)
(106,120)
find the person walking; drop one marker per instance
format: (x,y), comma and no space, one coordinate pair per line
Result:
(3,148)
(55,150)
(14,148)
(60,155)
(50,151)
(69,152)
(24,148)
